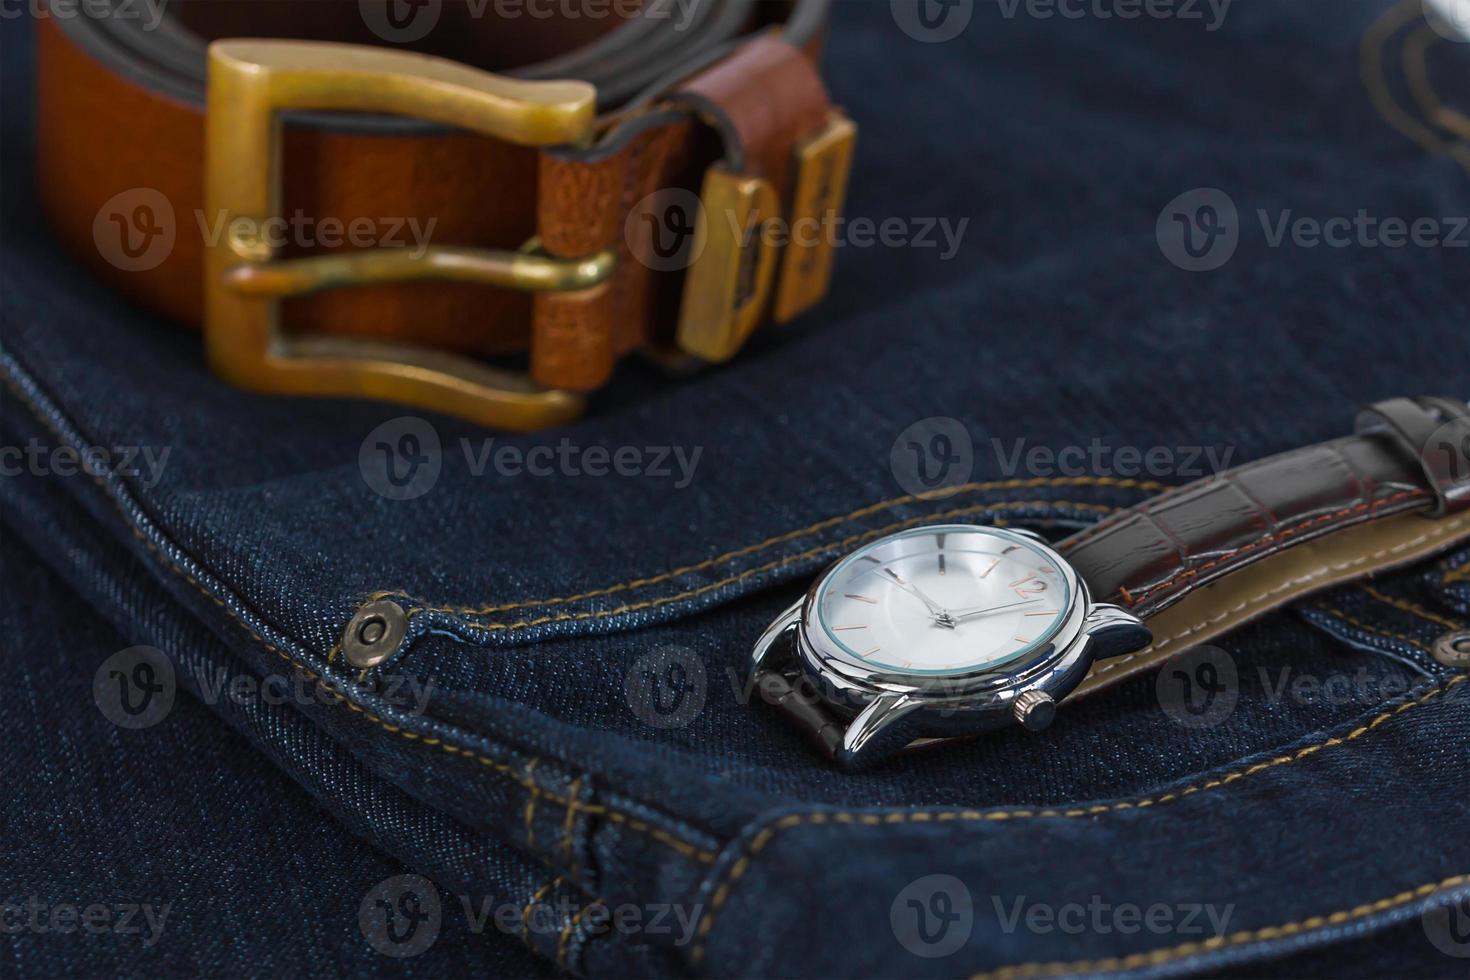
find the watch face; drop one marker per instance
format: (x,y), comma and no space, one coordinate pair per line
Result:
(940,600)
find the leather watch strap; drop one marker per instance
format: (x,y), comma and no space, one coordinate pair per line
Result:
(121,107)
(1206,557)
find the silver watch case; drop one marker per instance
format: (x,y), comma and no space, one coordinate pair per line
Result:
(887,710)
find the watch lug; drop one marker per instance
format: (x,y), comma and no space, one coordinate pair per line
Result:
(770,640)
(876,731)
(1115,631)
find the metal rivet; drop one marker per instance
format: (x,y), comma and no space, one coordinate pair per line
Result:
(1453,649)
(373,635)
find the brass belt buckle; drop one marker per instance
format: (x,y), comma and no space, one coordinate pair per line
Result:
(728,290)
(250,82)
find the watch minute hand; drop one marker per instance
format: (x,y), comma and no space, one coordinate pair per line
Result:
(976,612)
(939,613)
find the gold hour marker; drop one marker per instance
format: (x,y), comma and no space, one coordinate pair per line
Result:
(1021,639)
(859,598)
(869,653)
(862,626)
(1020,580)
(1043,612)
(941,564)
(990,569)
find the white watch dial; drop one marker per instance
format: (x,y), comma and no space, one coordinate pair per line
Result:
(939,600)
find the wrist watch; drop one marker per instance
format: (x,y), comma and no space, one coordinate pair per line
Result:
(950,630)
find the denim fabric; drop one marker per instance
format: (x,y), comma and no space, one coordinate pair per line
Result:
(1321,831)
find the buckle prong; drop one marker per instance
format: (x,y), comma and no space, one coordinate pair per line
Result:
(250,83)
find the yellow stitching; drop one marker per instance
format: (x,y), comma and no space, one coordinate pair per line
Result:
(526,912)
(767,834)
(1438,530)
(1387,634)
(822,525)
(1410,607)
(1160,956)
(566,934)
(594,809)
(1460,573)
(783,562)
(566,837)
(534,792)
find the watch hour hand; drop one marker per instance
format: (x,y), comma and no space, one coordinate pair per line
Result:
(942,616)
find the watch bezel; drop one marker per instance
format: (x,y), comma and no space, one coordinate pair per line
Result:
(962,697)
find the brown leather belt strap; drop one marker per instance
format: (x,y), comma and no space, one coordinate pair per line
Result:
(122,109)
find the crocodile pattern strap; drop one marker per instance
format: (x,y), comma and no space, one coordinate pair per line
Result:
(1152,555)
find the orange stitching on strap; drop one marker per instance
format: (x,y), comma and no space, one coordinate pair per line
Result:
(783,562)
(1273,538)
(617,816)
(1169,954)
(758,843)
(822,525)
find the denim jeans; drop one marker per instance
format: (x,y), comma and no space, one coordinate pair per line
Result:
(564,757)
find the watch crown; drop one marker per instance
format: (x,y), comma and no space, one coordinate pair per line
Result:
(1035,710)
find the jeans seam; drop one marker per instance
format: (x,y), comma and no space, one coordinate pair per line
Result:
(636,824)
(664,600)
(1169,954)
(420,606)
(736,869)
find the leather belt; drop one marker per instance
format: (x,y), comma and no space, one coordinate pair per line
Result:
(558,180)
